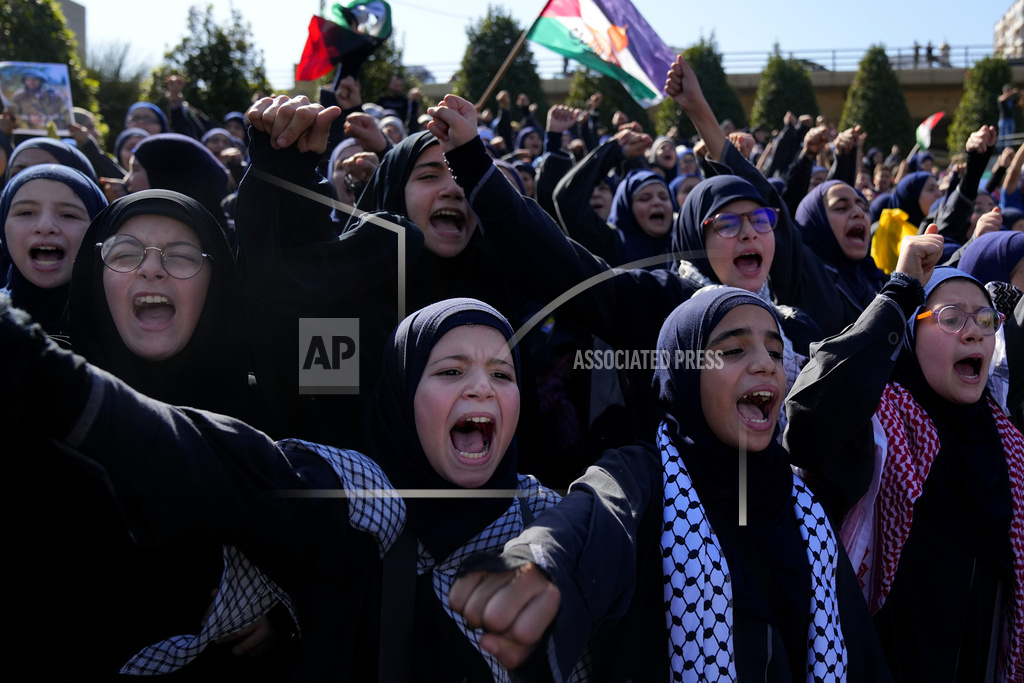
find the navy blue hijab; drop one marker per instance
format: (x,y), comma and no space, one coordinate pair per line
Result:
(714,467)
(636,244)
(161,117)
(992,257)
(707,199)
(65,154)
(907,196)
(441,524)
(863,276)
(45,305)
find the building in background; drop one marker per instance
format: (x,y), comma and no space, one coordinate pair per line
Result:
(1009,32)
(74,16)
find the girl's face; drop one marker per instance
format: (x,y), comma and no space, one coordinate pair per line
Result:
(235,127)
(217,144)
(436,203)
(955,365)
(33,156)
(137,179)
(125,155)
(740,396)
(652,208)
(534,144)
(687,164)
(338,174)
(466,405)
(146,119)
(848,217)
(601,200)
(744,260)
(666,155)
(983,203)
(44,229)
(527,179)
(929,194)
(685,188)
(154,313)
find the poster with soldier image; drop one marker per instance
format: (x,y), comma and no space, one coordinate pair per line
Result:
(36,94)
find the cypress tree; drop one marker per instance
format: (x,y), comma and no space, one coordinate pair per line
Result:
(978,106)
(615,97)
(875,102)
(784,86)
(706,62)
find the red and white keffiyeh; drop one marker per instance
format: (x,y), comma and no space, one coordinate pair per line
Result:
(876,529)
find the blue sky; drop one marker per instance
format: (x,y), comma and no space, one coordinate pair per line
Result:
(434,33)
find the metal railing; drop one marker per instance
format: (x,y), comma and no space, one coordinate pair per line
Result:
(842,59)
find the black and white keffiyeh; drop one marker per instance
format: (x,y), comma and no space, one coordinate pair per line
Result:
(246,594)
(698,591)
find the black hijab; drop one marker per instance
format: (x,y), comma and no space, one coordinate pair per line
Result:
(211,371)
(714,468)
(45,305)
(637,244)
(970,469)
(907,195)
(863,276)
(707,199)
(183,164)
(441,524)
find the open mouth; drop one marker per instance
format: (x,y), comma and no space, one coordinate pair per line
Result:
(749,263)
(448,221)
(472,436)
(756,406)
(153,309)
(968,368)
(47,255)
(857,234)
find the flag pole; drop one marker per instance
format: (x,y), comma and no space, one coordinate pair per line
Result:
(505,66)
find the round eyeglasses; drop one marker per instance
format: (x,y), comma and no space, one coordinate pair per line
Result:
(729,225)
(953,318)
(124,253)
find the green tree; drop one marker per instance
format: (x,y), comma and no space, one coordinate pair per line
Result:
(490,42)
(706,62)
(36,31)
(119,84)
(221,66)
(585,83)
(784,86)
(875,102)
(978,105)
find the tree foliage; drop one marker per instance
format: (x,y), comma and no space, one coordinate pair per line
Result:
(784,86)
(490,42)
(223,69)
(36,31)
(706,62)
(875,102)
(119,84)
(585,83)
(978,106)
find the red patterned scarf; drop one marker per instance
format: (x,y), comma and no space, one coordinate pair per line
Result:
(912,443)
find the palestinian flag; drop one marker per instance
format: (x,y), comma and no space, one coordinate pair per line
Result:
(609,36)
(927,128)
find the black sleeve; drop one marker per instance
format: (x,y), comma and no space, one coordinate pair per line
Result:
(797,179)
(551,169)
(831,405)
(954,219)
(844,167)
(625,308)
(787,146)
(503,128)
(572,203)
(995,181)
(588,545)
(104,166)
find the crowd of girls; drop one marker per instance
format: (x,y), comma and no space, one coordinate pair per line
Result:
(810,466)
